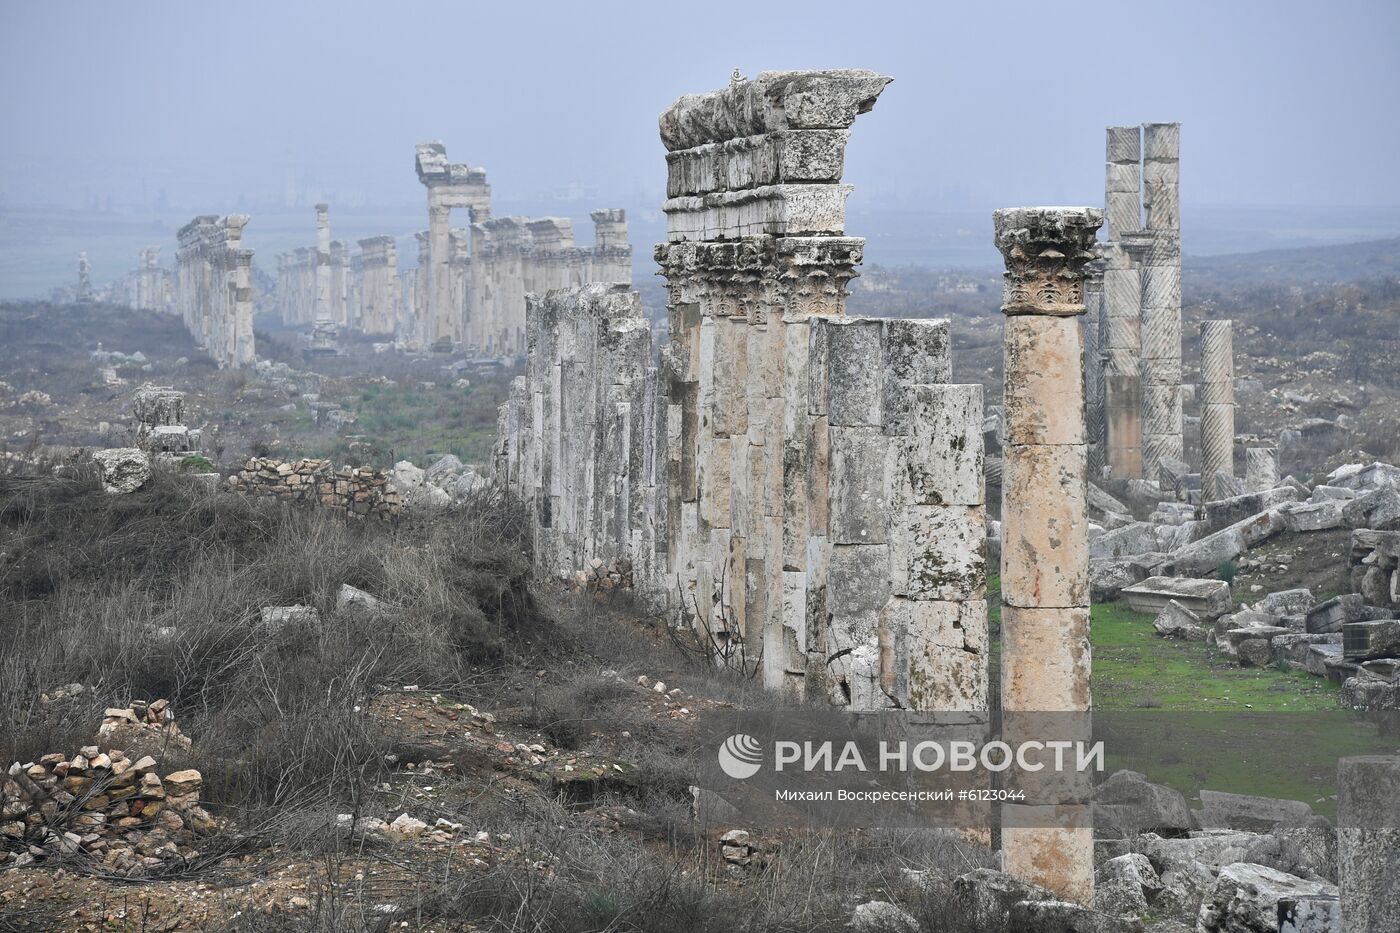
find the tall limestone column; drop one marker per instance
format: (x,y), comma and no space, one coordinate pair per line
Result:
(1122,301)
(1217,409)
(1161,298)
(1045,659)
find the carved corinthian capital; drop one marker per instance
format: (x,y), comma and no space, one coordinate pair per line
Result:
(1046,250)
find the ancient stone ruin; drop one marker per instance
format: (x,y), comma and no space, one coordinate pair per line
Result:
(376,289)
(213,288)
(801,489)
(1138,322)
(1045,653)
(357,492)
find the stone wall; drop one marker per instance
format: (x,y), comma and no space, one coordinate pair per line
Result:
(802,489)
(579,436)
(214,290)
(358,492)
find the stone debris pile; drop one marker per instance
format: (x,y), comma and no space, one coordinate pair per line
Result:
(357,492)
(145,727)
(103,806)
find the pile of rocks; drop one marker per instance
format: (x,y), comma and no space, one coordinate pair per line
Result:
(148,727)
(358,492)
(1182,539)
(447,481)
(104,807)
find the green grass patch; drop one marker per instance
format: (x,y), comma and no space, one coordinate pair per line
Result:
(1188,716)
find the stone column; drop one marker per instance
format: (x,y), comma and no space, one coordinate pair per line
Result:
(1161,299)
(1217,409)
(1094,327)
(1260,468)
(439,333)
(1122,345)
(84,279)
(1045,659)
(1368,843)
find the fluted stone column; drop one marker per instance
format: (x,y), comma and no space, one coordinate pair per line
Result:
(1122,301)
(1045,660)
(1161,299)
(1260,468)
(1217,409)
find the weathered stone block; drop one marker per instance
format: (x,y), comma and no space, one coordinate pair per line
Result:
(1209,599)
(941,461)
(938,552)
(1045,533)
(860,504)
(1043,407)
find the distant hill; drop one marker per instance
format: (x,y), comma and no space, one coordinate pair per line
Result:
(1313,265)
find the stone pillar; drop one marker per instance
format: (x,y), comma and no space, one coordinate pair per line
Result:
(1368,843)
(339,282)
(611,256)
(84,279)
(1161,299)
(1122,293)
(323,328)
(1045,659)
(1260,468)
(439,330)
(1217,410)
(1095,325)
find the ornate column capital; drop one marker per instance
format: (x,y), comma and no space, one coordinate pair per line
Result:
(1045,250)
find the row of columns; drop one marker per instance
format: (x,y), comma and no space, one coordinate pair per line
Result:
(214,288)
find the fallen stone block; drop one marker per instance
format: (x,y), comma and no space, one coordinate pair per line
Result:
(1104,502)
(1318,657)
(1176,621)
(1246,898)
(1287,602)
(1208,599)
(1364,693)
(1065,917)
(1225,512)
(352,599)
(1341,670)
(1374,476)
(1211,848)
(1221,810)
(1137,538)
(1377,509)
(1316,913)
(122,470)
(1125,885)
(1314,516)
(1325,493)
(1108,576)
(1127,804)
(983,898)
(1362,641)
(1386,670)
(1331,615)
(1293,648)
(1245,618)
(273,619)
(1250,644)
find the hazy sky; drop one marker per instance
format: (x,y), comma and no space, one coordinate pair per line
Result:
(992,103)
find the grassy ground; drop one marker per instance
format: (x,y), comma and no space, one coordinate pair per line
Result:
(1187,716)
